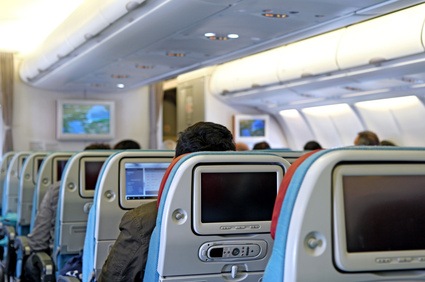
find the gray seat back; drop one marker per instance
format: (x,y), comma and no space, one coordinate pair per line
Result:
(214,217)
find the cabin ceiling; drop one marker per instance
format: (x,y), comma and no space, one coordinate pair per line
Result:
(160,39)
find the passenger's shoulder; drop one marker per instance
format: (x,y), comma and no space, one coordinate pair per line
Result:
(144,210)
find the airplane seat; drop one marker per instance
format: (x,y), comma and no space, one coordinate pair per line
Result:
(11,188)
(129,179)
(27,184)
(49,171)
(7,157)
(10,206)
(214,215)
(324,230)
(75,200)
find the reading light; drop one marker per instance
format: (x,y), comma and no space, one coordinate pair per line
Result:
(270,14)
(120,85)
(213,36)
(175,54)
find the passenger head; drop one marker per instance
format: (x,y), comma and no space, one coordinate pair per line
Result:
(366,138)
(127,144)
(312,145)
(98,146)
(204,136)
(240,146)
(261,146)
(387,143)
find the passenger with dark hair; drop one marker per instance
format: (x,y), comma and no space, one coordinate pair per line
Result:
(366,138)
(127,144)
(387,143)
(98,146)
(41,237)
(127,258)
(240,146)
(312,145)
(261,146)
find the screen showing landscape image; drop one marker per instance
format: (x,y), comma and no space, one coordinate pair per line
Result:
(252,127)
(86,119)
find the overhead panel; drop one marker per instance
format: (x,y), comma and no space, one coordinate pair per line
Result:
(86,22)
(326,65)
(309,57)
(135,31)
(254,71)
(388,37)
(101,35)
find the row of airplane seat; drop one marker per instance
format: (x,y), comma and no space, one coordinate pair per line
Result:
(78,183)
(343,214)
(38,172)
(105,230)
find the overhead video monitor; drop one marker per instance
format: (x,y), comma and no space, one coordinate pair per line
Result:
(251,128)
(379,221)
(140,181)
(85,120)
(234,199)
(90,168)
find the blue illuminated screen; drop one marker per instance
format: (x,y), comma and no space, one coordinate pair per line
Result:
(86,118)
(252,128)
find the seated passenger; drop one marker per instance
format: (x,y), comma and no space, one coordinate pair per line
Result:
(126,145)
(41,237)
(240,146)
(127,258)
(387,143)
(366,138)
(98,146)
(312,145)
(261,146)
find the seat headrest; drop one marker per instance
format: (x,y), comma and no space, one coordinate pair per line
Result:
(283,187)
(165,177)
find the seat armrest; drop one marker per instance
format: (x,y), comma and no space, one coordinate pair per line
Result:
(22,246)
(9,258)
(23,250)
(47,268)
(10,232)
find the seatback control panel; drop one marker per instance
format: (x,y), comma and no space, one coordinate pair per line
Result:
(233,250)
